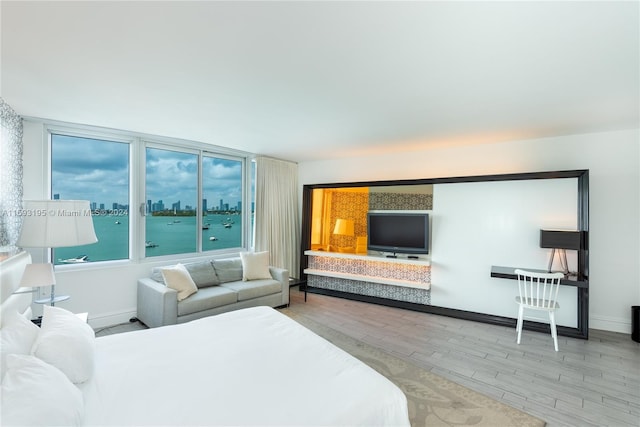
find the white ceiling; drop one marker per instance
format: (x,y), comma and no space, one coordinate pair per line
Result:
(312,80)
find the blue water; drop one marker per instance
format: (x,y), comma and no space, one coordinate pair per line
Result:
(172,235)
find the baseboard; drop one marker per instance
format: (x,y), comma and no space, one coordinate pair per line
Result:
(612,324)
(110,319)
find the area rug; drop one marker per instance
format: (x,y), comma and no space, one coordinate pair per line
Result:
(432,399)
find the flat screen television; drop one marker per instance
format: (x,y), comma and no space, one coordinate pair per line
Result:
(406,233)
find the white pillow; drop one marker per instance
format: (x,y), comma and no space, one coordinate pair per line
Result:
(37,394)
(255,265)
(177,277)
(16,336)
(66,342)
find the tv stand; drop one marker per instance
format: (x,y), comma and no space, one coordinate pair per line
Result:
(400,272)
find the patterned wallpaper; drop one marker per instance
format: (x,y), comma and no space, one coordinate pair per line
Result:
(372,268)
(351,205)
(397,293)
(400,201)
(10,174)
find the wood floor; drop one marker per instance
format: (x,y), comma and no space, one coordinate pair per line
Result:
(593,382)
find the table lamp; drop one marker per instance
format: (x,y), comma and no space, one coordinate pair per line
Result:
(53,224)
(558,241)
(344,227)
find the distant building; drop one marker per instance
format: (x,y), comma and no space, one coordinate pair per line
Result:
(157,206)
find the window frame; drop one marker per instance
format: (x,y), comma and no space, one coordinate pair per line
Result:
(138,143)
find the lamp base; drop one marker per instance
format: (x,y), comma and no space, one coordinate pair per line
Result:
(562,255)
(53,300)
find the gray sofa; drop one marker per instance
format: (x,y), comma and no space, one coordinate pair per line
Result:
(220,289)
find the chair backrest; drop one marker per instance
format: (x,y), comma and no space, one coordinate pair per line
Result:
(538,289)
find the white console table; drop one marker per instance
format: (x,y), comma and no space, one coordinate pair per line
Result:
(400,272)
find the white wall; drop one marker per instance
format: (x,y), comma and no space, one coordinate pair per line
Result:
(613,160)
(477,225)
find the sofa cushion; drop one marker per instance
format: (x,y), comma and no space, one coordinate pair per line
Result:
(254,288)
(228,270)
(207,298)
(202,273)
(255,265)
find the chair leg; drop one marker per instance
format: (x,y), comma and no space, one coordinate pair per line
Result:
(554,332)
(520,321)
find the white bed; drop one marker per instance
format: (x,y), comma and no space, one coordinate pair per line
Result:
(249,367)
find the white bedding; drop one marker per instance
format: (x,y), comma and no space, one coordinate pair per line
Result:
(248,367)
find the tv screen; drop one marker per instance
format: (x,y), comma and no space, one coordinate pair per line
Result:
(398,232)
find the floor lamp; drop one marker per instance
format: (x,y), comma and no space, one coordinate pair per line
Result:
(53,224)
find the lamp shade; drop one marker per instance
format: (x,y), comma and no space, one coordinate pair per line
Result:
(37,275)
(344,227)
(56,223)
(561,239)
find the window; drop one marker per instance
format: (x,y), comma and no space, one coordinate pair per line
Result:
(172,196)
(96,170)
(186,198)
(221,203)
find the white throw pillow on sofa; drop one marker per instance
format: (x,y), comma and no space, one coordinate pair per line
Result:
(255,265)
(35,393)
(177,277)
(66,342)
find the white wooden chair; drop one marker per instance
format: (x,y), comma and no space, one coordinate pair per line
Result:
(538,291)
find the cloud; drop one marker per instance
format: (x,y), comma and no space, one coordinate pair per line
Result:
(98,171)
(90,169)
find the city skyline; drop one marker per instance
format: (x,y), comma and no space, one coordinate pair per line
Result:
(160,206)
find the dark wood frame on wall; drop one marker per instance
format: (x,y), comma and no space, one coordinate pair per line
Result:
(581,282)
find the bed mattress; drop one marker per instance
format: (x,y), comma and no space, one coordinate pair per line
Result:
(249,367)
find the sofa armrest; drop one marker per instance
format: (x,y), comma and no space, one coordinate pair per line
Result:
(282,276)
(157,303)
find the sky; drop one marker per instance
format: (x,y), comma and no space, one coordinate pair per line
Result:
(98,171)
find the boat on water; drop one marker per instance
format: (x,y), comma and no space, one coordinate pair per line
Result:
(213,238)
(118,222)
(76,260)
(150,244)
(205,226)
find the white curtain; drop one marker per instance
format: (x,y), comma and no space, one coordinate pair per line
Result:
(277,224)
(10,174)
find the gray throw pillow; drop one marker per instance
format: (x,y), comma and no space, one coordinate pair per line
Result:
(156,275)
(202,273)
(228,270)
